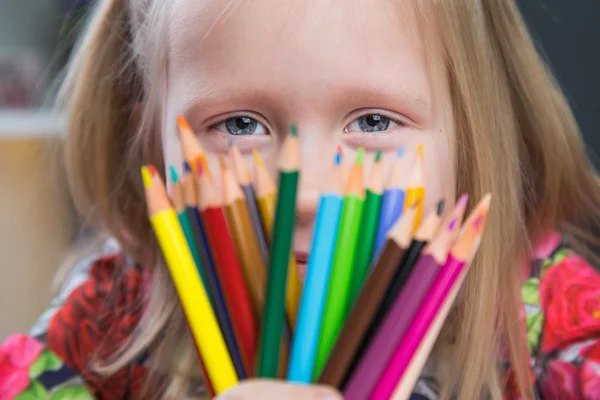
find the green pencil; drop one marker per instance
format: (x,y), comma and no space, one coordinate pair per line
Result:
(368,230)
(178,197)
(283,231)
(336,305)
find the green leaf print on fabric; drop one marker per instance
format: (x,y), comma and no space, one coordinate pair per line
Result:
(35,391)
(556,259)
(530,291)
(71,393)
(535,322)
(47,361)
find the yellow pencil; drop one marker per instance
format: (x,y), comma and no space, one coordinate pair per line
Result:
(266,194)
(415,192)
(200,316)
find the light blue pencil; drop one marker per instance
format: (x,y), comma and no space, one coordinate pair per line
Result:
(312,304)
(392,204)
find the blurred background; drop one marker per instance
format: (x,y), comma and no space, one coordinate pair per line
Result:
(37,223)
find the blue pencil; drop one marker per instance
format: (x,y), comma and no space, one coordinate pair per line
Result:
(392,204)
(312,303)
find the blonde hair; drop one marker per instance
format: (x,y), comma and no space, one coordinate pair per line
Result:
(516,137)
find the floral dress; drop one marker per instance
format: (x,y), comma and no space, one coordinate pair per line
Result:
(101,304)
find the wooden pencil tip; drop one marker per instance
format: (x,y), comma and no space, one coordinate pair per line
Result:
(186,167)
(174,175)
(293,130)
(199,166)
(360,156)
(257,158)
(222,162)
(378,155)
(400,152)
(147,176)
(420,151)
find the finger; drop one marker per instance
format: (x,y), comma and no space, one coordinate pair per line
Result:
(273,390)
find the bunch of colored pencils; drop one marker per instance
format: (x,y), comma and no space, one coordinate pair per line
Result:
(379,284)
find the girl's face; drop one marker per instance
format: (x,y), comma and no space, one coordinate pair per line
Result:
(346,72)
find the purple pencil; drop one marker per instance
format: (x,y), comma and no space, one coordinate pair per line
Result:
(383,345)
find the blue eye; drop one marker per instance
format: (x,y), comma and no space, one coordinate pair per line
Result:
(241,126)
(370,123)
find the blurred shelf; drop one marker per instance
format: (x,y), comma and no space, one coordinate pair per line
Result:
(30,124)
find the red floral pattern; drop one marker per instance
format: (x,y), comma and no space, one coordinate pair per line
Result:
(562,301)
(94,323)
(17,354)
(570,298)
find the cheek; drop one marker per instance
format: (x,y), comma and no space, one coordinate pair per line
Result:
(438,172)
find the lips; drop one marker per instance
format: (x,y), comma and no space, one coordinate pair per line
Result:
(301,261)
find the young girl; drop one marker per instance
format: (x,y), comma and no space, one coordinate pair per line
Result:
(460,76)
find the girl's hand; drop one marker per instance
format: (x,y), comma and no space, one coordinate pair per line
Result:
(274,390)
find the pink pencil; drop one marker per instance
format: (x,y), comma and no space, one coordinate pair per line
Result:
(443,290)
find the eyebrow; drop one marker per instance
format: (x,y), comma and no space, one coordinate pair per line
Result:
(215,96)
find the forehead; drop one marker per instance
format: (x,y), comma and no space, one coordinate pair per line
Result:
(279,44)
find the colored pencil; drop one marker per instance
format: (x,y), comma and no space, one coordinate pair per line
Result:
(373,363)
(193,215)
(392,203)
(283,232)
(368,229)
(229,271)
(360,318)
(448,280)
(199,314)
(310,314)
(336,305)
(266,193)
(243,178)
(244,238)
(178,198)
(416,188)
(191,147)
(389,291)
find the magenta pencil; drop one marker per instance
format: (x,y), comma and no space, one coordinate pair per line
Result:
(442,294)
(379,352)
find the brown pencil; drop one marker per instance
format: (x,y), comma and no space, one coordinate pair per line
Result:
(240,225)
(368,301)
(243,178)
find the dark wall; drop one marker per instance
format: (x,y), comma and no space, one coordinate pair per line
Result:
(568,35)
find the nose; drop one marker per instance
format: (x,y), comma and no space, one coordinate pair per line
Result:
(317,160)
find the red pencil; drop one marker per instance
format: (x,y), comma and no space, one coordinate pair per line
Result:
(228,268)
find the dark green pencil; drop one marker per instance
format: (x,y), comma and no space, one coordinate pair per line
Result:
(283,232)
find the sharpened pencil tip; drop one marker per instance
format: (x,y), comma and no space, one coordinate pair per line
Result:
(293,130)
(174,176)
(440,207)
(360,156)
(400,152)
(230,142)
(257,158)
(222,162)
(420,152)
(199,166)
(463,201)
(147,176)
(186,167)
(338,157)
(183,124)
(378,155)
